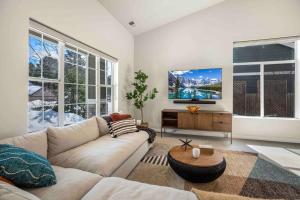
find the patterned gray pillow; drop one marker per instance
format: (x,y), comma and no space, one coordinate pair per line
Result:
(103,126)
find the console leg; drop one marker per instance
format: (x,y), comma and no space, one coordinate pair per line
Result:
(231,137)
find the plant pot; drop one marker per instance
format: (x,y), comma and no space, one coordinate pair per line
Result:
(144,125)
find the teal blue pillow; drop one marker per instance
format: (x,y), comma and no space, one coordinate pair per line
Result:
(25,168)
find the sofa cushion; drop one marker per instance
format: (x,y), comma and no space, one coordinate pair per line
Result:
(103,126)
(61,139)
(72,184)
(36,142)
(102,156)
(25,168)
(11,192)
(113,188)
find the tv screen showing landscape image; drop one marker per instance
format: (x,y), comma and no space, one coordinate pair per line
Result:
(196,84)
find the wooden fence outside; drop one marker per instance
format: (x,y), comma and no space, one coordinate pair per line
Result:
(278,102)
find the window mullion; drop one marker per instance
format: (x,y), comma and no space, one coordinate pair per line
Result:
(111,88)
(61,87)
(86,86)
(297,79)
(98,86)
(262,102)
(43,113)
(43,81)
(42,68)
(77,82)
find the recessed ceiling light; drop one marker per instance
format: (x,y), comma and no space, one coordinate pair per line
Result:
(132,23)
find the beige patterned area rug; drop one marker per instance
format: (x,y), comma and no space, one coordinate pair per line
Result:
(246,174)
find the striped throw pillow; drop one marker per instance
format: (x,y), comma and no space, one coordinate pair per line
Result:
(122,127)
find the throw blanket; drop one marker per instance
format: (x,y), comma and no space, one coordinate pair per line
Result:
(151,132)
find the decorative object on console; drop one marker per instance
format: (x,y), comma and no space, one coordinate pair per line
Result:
(139,94)
(193,109)
(25,168)
(122,127)
(186,143)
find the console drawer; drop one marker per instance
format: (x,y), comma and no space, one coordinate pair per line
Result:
(222,127)
(222,118)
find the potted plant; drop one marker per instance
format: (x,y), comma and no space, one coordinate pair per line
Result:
(140,95)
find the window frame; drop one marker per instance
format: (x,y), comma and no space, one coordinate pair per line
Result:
(62,45)
(261,74)
(106,85)
(43,80)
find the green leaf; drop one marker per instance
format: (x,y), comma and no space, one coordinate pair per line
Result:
(139,94)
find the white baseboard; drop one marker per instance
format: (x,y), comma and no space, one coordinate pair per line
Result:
(195,133)
(234,136)
(272,139)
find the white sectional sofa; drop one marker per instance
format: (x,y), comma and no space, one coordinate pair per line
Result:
(88,164)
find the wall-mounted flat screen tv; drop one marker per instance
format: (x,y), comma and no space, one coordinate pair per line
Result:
(196,84)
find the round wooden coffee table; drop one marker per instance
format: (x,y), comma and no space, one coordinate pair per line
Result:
(208,167)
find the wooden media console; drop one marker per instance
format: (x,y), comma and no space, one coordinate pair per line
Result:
(203,120)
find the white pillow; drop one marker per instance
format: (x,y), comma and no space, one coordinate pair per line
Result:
(61,139)
(122,127)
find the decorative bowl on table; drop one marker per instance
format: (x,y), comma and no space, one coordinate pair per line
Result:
(193,109)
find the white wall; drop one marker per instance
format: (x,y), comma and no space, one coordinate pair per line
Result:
(204,40)
(84,20)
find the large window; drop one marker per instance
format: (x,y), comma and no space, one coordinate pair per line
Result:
(264,80)
(67,84)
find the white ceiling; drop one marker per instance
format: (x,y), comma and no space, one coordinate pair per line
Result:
(150,14)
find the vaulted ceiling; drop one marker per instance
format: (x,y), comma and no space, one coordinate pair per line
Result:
(150,14)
